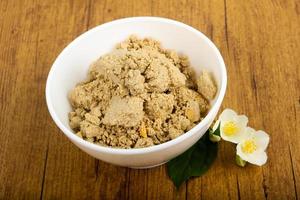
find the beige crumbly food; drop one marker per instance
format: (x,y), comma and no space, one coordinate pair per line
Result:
(139,95)
(206,85)
(127,112)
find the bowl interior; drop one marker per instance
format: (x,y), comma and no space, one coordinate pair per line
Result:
(72,64)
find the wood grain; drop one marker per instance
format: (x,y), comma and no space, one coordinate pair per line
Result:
(260,43)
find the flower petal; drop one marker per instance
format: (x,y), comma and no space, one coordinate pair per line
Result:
(227,115)
(262,138)
(250,132)
(242,120)
(241,135)
(244,133)
(257,158)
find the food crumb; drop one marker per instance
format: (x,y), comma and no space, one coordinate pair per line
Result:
(206,85)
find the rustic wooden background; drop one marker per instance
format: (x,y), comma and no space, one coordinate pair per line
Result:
(260,42)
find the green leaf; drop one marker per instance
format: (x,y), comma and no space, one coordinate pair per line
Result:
(193,162)
(217,131)
(214,136)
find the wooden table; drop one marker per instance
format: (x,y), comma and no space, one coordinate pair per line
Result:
(260,42)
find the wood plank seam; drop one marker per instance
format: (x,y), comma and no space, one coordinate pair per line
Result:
(186,190)
(88,14)
(44,172)
(127,182)
(238,187)
(265,187)
(254,86)
(96,168)
(226,30)
(293,171)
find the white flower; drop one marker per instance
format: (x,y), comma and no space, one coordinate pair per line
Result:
(252,147)
(232,126)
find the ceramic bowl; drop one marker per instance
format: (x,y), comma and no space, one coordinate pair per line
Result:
(71,67)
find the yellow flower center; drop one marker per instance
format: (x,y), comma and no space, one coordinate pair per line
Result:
(230,128)
(249,146)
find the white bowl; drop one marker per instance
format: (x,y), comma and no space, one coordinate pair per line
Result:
(72,64)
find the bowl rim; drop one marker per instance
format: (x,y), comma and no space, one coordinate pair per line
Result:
(110,150)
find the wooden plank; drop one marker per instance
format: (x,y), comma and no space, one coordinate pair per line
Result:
(247,182)
(22,144)
(69,173)
(291,88)
(260,39)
